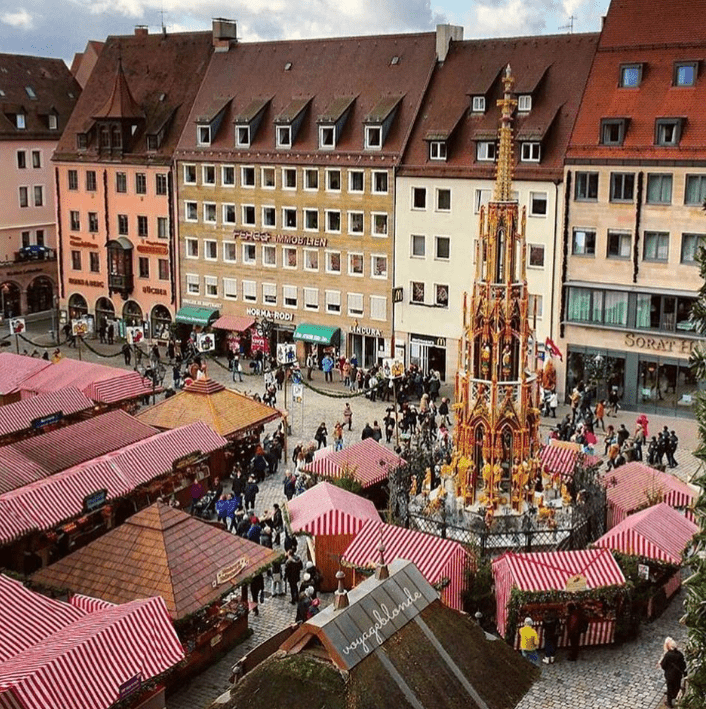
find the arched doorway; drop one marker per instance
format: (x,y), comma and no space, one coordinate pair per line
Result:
(78,307)
(160,322)
(132,314)
(40,295)
(10,299)
(105,310)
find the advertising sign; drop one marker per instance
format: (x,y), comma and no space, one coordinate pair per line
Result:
(206,342)
(135,334)
(392,368)
(17,326)
(297,393)
(79,328)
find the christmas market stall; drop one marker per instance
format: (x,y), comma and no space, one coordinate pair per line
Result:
(48,518)
(634,486)
(54,654)
(200,570)
(562,457)
(236,335)
(536,584)
(444,563)
(331,517)
(14,369)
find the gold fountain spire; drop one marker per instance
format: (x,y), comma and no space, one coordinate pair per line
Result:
(503,175)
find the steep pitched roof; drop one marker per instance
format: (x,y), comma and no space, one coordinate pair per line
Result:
(120,103)
(553,69)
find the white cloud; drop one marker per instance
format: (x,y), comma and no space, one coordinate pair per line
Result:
(21,19)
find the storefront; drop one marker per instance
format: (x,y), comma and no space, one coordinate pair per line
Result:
(368,345)
(273,327)
(234,334)
(428,352)
(319,339)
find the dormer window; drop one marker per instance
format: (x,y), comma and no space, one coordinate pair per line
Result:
(668,131)
(327,137)
(685,73)
(242,136)
(53,121)
(152,143)
(373,137)
(81,141)
(20,121)
(31,93)
(630,76)
(613,131)
(203,135)
(379,121)
(530,152)
(437,150)
(284,136)
(485,151)
(524,103)
(478,104)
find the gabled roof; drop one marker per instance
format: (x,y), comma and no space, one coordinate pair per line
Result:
(14,369)
(120,103)
(218,104)
(553,69)
(159,551)
(318,70)
(336,109)
(382,109)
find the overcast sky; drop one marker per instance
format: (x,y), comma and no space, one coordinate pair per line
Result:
(59,28)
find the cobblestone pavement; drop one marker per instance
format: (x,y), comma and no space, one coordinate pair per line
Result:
(624,677)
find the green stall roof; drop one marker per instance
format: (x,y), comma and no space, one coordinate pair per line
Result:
(318,334)
(192,315)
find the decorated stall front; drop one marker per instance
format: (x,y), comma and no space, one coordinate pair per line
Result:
(331,517)
(444,563)
(535,584)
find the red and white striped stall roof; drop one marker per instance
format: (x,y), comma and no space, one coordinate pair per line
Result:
(15,369)
(234,323)
(368,462)
(635,485)
(87,657)
(561,459)
(45,504)
(329,510)
(659,532)
(89,604)
(129,386)
(19,415)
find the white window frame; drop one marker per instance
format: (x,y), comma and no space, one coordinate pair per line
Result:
(243,218)
(351,230)
(351,272)
(327,261)
(531,151)
(308,212)
(530,246)
(375,173)
(524,103)
(249,291)
(269,249)
(372,266)
(350,181)
(539,299)
(189,240)
(373,137)
(285,210)
(286,250)
(269,209)
(413,197)
(287,291)
(327,137)
(249,260)
(193,279)
(332,171)
(479,201)
(478,104)
(204,182)
(437,194)
(309,302)
(305,265)
(20,121)
(373,230)
(288,171)
(308,172)
(269,293)
(208,282)
(230,288)
(327,215)
(437,239)
(227,246)
(333,301)
(224,213)
(437,304)
(263,182)
(484,148)
(224,182)
(210,207)
(53,122)
(243,182)
(242,143)
(190,203)
(206,243)
(350,300)
(283,136)
(531,211)
(411,293)
(203,134)
(437,150)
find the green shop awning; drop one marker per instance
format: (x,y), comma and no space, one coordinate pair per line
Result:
(191,315)
(318,334)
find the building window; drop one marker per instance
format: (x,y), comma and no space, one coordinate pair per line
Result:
(38,196)
(418,246)
(586,189)
(659,189)
(666,313)
(630,76)
(209,212)
(143,264)
(227,176)
(208,174)
(249,254)
(535,306)
(584,242)
(189,174)
(192,247)
(36,159)
(356,181)
(289,257)
(585,305)
(311,179)
(192,284)
(230,289)
(482,199)
(73,180)
(289,294)
(333,221)
(333,301)
(53,122)
(230,249)
(311,298)
(622,186)
(355,304)
(443,200)
(94,262)
(269,293)
(210,286)
(333,180)
(441,295)
(333,262)
(437,150)
(191,211)
(619,244)
(311,260)
(93,222)
(668,131)
(90,181)
(373,137)
(695,192)
(685,74)
(40,237)
(419,198)
(76,260)
(538,204)
(379,224)
(379,182)
(443,248)
(485,151)
(247,176)
(478,104)
(250,291)
(21,159)
(269,217)
(524,103)
(229,214)
(141,226)
(210,249)
(327,137)
(141,183)
(284,136)
(417,291)
(355,264)
(162,227)
(355,223)
(311,219)
(378,266)
(24,197)
(536,256)
(267,178)
(20,121)
(530,152)
(25,239)
(163,269)
(289,218)
(123,227)
(160,183)
(656,246)
(75,219)
(248,218)
(612,131)
(81,141)
(242,136)
(378,307)
(203,135)
(690,245)
(120,182)
(289,178)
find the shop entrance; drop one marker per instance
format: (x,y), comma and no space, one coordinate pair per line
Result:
(368,350)
(428,353)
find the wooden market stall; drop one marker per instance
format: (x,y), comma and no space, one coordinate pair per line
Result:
(548,581)
(561,457)
(332,517)
(198,569)
(14,369)
(444,563)
(56,654)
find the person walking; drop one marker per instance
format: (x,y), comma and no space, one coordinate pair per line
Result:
(671,444)
(310,364)
(529,641)
(290,485)
(251,490)
(338,436)
(111,333)
(327,366)
(320,435)
(674,666)
(102,331)
(257,591)
(576,626)
(237,368)
(292,569)
(127,353)
(600,414)
(348,416)
(550,628)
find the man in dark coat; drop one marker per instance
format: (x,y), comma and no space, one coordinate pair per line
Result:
(257,591)
(292,569)
(674,667)
(576,626)
(251,490)
(290,486)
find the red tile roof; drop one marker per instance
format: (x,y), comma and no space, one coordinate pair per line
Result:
(322,70)
(553,68)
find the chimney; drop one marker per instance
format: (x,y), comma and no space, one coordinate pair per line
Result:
(141,31)
(340,597)
(444,35)
(224,34)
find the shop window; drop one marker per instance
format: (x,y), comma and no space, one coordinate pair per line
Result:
(659,189)
(656,246)
(586,189)
(583,242)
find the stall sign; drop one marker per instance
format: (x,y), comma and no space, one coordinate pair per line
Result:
(135,335)
(297,393)
(94,501)
(206,343)
(216,639)
(575,583)
(79,327)
(231,571)
(259,343)
(17,326)
(392,368)
(187,460)
(47,420)
(643,572)
(286,353)
(134,684)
